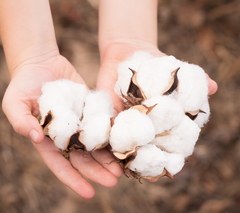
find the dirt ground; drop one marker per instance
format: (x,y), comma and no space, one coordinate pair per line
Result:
(202,32)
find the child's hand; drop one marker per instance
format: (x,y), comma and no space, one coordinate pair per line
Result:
(21,107)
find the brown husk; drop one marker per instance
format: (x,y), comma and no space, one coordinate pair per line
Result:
(173,83)
(193,114)
(143,108)
(135,95)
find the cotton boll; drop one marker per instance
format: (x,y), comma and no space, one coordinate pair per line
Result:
(131,128)
(175,162)
(80,91)
(150,161)
(181,139)
(134,62)
(125,74)
(55,93)
(61,93)
(95,131)
(124,79)
(154,75)
(138,58)
(97,102)
(202,118)
(166,114)
(63,125)
(193,87)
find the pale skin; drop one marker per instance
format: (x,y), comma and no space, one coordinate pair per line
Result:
(33,58)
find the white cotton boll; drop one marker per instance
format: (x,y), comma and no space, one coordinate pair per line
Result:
(125,74)
(166,114)
(154,75)
(80,91)
(149,162)
(131,128)
(203,118)
(139,57)
(55,93)
(193,86)
(175,162)
(61,92)
(181,138)
(63,125)
(134,62)
(124,79)
(97,102)
(95,131)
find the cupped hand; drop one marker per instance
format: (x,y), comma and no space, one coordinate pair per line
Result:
(21,107)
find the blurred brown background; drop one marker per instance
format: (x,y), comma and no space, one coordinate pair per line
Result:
(202,32)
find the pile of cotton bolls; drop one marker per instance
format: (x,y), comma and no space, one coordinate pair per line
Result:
(73,117)
(166,104)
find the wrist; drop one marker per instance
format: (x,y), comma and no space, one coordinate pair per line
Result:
(27,31)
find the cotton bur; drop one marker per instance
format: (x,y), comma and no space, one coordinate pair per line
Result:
(173,95)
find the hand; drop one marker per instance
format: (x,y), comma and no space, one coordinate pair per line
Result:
(21,108)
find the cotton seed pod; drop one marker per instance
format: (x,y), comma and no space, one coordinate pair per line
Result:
(175,162)
(155,75)
(180,139)
(79,91)
(166,114)
(97,102)
(149,162)
(62,93)
(95,132)
(173,86)
(60,124)
(203,117)
(125,75)
(193,87)
(131,128)
(135,95)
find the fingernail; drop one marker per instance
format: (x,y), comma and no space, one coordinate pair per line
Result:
(34,135)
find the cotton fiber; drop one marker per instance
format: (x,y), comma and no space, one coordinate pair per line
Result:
(131,128)
(180,139)
(63,125)
(175,162)
(149,162)
(97,102)
(95,132)
(166,114)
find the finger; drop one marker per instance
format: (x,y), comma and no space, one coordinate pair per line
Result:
(63,169)
(152,180)
(107,160)
(20,116)
(212,86)
(91,169)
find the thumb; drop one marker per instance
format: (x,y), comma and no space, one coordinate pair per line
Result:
(20,117)
(212,86)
